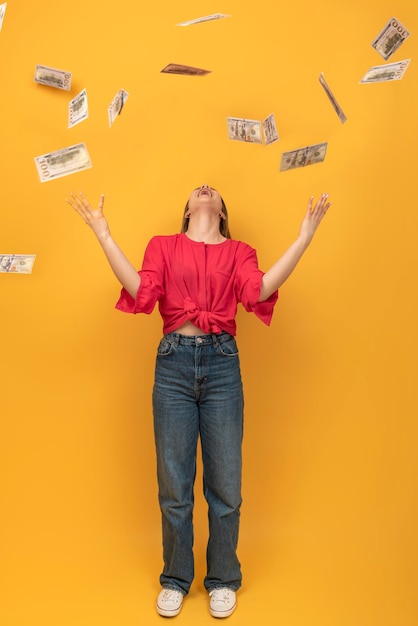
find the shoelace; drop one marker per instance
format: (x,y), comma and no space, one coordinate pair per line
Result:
(171,594)
(221,595)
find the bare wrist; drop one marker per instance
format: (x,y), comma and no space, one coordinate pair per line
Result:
(105,239)
(304,240)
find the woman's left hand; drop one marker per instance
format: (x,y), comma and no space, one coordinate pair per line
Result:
(313,217)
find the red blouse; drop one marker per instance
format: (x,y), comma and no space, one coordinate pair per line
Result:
(198,282)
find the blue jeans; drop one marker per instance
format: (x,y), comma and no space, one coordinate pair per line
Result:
(198,391)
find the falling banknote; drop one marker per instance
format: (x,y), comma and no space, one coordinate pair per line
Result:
(2,12)
(53,77)
(63,162)
(384,73)
(78,109)
(206,18)
(116,106)
(303,156)
(269,129)
(16,263)
(240,129)
(186,70)
(332,99)
(390,38)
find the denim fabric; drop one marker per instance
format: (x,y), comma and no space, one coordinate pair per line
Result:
(198,392)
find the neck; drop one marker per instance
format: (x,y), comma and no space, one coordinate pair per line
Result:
(204,228)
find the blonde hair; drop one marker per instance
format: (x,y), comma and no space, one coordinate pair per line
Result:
(223,223)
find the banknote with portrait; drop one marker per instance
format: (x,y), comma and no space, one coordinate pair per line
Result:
(16,263)
(241,129)
(303,157)
(63,162)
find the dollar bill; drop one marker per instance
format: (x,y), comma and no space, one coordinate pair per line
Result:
(78,109)
(269,130)
(384,73)
(390,38)
(16,263)
(240,129)
(206,18)
(187,70)
(303,157)
(53,77)
(63,162)
(3,7)
(116,106)
(332,99)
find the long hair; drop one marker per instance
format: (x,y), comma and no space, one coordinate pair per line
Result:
(223,223)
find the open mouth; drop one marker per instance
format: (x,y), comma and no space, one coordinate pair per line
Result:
(205,191)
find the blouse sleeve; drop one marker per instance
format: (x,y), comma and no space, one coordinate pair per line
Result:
(248,286)
(151,286)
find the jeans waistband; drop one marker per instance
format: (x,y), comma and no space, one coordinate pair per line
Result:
(197,340)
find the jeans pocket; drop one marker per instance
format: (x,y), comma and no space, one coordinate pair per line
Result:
(228,347)
(165,347)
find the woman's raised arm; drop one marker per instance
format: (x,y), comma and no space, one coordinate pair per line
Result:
(281,270)
(121,266)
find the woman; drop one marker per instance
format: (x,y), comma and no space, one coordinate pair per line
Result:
(198,277)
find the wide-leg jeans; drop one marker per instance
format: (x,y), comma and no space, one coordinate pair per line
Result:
(198,392)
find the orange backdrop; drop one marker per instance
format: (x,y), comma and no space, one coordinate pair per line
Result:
(330,509)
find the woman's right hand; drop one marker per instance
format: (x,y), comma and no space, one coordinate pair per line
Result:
(121,266)
(92,217)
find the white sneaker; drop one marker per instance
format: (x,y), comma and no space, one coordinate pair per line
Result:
(169,602)
(222,602)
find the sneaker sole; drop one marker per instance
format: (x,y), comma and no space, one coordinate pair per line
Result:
(166,613)
(221,614)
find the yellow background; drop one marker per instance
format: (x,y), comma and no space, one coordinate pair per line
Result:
(329,519)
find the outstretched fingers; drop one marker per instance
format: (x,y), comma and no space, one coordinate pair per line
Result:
(83,207)
(321,207)
(101,204)
(76,203)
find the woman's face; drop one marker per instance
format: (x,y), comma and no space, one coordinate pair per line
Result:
(205,196)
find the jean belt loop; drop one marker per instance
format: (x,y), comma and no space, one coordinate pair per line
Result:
(214,339)
(176,340)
